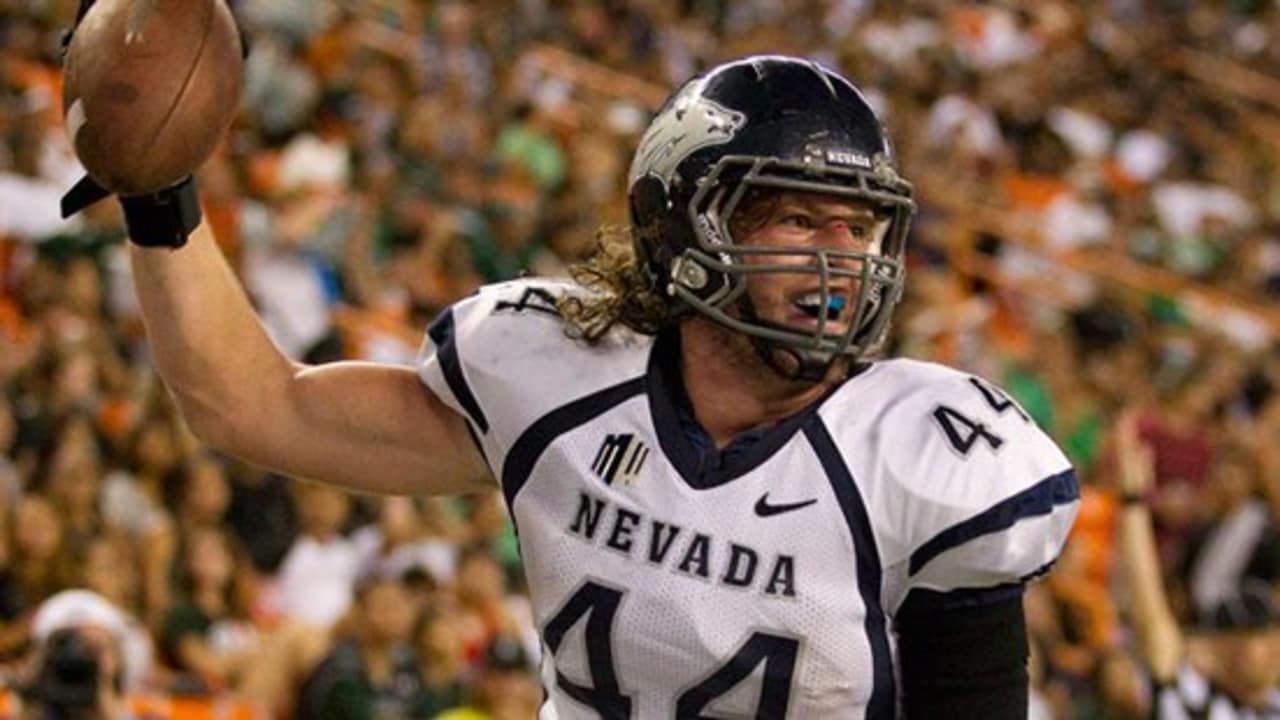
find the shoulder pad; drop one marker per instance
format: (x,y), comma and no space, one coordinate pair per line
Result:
(963,489)
(502,358)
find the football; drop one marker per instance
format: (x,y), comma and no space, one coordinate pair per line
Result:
(149,88)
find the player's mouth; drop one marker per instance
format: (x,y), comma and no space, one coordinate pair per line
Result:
(810,307)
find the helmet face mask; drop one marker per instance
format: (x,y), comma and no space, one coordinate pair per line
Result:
(770,125)
(877,273)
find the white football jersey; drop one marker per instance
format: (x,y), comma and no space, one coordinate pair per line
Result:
(761,583)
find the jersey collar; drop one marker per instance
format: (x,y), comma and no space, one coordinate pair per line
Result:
(687,444)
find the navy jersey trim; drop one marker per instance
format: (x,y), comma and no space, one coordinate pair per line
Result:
(533,441)
(687,444)
(883,694)
(973,596)
(441,333)
(1039,499)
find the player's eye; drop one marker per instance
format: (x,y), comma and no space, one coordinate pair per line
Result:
(796,220)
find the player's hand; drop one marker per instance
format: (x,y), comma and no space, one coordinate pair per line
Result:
(182,76)
(1135,460)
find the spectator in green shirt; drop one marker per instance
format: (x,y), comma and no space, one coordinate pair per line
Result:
(374,673)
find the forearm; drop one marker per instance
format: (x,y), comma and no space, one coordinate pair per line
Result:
(207,341)
(366,427)
(1158,633)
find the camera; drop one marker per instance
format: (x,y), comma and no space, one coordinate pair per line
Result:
(68,683)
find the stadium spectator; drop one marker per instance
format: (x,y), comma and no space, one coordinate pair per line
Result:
(209,634)
(203,493)
(1241,545)
(445,673)
(38,566)
(375,672)
(504,690)
(86,656)
(315,582)
(1231,666)
(399,544)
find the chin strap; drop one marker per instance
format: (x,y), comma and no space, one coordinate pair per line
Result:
(80,13)
(159,219)
(809,365)
(84,193)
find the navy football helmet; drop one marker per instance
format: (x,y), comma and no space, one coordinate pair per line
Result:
(768,122)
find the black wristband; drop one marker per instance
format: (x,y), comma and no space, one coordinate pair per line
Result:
(164,218)
(1130,499)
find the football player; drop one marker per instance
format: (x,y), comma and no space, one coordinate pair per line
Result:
(727,505)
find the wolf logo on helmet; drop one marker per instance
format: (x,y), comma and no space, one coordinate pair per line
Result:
(689,123)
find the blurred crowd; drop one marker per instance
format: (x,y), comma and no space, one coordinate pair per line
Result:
(1099,231)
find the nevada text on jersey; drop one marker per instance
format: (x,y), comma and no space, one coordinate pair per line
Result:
(763,585)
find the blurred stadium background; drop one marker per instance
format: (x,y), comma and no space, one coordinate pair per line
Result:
(1099,230)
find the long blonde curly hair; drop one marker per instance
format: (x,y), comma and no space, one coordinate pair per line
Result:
(619,291)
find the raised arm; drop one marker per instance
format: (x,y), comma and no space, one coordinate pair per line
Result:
(1159,638)
(152,88)
(365,427)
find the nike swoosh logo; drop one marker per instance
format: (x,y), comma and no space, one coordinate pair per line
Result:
(764,509)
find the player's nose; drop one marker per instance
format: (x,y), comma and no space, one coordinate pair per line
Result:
(837,234)
(838,237)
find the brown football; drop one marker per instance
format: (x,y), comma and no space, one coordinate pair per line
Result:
(149,87)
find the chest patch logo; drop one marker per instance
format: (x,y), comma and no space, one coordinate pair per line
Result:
(620,457)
